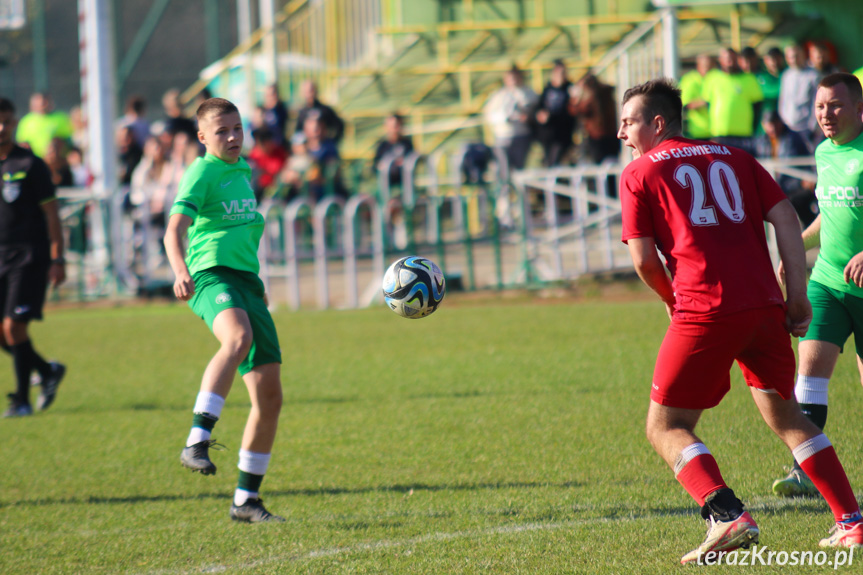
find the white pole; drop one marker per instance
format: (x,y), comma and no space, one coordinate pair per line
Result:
(267,10)
(670,53)
(97,108)
(97,92)
(244,31)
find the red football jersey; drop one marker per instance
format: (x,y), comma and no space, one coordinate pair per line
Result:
(704,204)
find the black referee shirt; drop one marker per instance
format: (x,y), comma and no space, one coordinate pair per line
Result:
(25,184)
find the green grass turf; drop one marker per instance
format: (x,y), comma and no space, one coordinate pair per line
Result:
(493,438)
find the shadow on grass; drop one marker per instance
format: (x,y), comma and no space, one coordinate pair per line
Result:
(308,492)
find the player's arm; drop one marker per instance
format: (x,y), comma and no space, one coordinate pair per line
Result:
(798,311)
(57,271)
(812,234)
(651,270)
(178,227)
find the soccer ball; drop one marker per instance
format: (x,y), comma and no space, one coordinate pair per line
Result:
(414,287)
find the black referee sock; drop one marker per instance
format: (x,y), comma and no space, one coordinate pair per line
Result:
(816,413)
(22,358)
(6,348)
(39,363)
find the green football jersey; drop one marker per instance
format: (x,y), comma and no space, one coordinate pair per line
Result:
(697,119)
(840,199)
(226,226)
(731,98)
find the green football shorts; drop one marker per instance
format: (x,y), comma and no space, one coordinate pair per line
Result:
(835,316)
(220,288)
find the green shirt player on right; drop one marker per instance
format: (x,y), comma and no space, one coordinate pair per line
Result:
(836,285)
(215,211)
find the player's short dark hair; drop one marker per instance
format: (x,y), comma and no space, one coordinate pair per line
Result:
(850,80)
(6,106)
(215,107)
(661,97)
(397,117)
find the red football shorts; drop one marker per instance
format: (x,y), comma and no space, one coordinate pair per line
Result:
(692,369)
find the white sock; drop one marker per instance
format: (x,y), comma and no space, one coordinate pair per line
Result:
(812,390)
(241,496)
(810,447)
(209,403)
(197,435)
(254,463)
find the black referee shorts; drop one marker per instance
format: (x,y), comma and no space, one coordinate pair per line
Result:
(23,283)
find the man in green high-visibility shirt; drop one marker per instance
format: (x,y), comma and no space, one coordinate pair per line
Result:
(215,205)
(836,285)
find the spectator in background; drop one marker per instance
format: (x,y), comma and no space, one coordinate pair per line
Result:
(79,128)
(55,159)
(321,177)
(770,79)
(508,113)
(734,99)
(266,159)
(175,121)
(696,117)
(42,124)
(134,118)
(594,106)
(275,115)
(797,94)
(820,60)
(129,154)
(153,184)
(778,141)
(392,149)
(299,163)
(750,63)
(555,122)
(334,127)
(80,173)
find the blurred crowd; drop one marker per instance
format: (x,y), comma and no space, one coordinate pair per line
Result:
(762,103)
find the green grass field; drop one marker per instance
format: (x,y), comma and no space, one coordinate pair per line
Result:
(501,437)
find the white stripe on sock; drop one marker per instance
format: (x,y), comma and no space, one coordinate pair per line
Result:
(810,447)
(811,389)
(254,463)
(689,453)
(197,435)
(241,496)
(209,403)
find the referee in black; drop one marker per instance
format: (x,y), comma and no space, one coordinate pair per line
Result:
(31,255)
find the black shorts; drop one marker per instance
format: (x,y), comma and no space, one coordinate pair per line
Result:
(23,283)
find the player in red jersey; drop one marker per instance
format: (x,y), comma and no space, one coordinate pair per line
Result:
(704,206)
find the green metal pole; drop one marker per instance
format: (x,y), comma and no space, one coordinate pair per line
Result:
(495,242)
(40,53)
(441,249)
(139,42)
(468,242)
(212,47)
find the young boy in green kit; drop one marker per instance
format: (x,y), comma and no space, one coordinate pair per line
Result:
(215,206)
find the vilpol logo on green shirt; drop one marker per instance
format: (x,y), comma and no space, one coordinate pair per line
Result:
(240,209)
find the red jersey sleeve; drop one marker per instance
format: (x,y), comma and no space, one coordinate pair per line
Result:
(636,213)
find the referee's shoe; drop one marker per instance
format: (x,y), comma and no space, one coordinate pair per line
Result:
(50,383)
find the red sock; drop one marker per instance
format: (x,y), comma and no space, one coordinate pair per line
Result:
(697,472)
(818,460)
